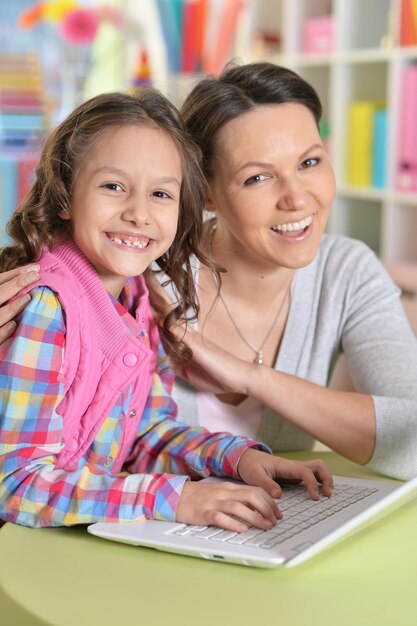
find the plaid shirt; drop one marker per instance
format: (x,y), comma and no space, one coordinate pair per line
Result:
(35,491)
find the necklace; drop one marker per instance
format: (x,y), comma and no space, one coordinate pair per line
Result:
(258,352)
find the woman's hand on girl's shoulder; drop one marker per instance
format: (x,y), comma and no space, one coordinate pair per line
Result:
(214,369)
(11,283)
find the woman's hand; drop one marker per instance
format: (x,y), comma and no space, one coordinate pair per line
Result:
(262,469)
(11,283)
(214,369)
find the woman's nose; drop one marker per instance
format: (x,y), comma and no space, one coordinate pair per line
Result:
(292,196)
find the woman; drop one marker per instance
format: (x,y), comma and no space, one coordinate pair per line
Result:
(291,299)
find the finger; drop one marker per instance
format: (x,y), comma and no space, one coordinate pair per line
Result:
(260,501)
(323,475)
(228,523)
(10,274)
(247,515)
(9,311)
(7,330)
(310,481)
(16,282)
(269,485)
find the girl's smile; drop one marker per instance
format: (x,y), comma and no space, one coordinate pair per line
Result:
(130,242)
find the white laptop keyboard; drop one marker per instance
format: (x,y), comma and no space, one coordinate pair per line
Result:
(299,511)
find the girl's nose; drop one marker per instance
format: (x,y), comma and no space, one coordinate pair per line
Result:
(137,212)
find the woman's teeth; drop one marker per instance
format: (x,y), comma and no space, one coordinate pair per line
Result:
(130,242)
(293,226)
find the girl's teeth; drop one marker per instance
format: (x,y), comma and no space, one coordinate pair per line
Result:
(129,243)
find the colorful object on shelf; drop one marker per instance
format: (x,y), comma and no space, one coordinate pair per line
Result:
(77,27)
(23,124)
(198,34)
(379,149)
(319,35)
(23,117)
(170,33)
(17,171)
(80,26)
(406,179)
(142,76)
(366,144)
(408,23)
(77,24)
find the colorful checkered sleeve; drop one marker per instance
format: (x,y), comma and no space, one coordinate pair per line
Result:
(165,445)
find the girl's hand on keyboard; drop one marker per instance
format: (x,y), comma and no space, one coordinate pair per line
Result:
(232,506)
(261,469)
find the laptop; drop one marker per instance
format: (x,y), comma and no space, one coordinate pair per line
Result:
(307,527)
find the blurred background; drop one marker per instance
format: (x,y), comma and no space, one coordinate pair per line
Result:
(360,55)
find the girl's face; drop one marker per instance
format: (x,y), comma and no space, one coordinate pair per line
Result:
(273,186)
(125,202)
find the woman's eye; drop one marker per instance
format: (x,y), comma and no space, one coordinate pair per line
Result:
(113,186)
(309,163)
(255,179)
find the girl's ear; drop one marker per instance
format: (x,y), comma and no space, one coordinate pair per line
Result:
(65,215)
(209,204)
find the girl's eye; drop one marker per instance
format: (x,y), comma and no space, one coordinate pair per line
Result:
(161,194)
(309,163)
(255,179)
(113,186)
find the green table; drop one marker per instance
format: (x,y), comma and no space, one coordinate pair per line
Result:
(66,577)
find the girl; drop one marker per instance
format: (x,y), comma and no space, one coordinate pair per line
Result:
(86,421)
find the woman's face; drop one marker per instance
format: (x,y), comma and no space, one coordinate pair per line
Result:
(272,187)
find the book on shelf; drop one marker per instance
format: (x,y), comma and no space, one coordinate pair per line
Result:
(359,163)
(366,144)
(23,123)
(198,34)
(8,191)
(171,32)
(217,54)
(26,166)
(408,23)
(406,179)
(379,149)
(190,60)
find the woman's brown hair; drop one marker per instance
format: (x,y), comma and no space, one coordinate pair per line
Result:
(36,222)
(216,101)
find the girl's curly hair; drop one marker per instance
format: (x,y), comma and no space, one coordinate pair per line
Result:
(36,222)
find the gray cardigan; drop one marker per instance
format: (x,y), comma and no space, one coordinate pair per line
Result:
(345,301)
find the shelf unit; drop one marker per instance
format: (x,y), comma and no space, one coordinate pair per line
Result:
(365,65)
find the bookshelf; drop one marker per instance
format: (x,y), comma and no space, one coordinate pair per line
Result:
(364,62)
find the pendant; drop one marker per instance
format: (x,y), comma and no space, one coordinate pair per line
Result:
(259,358)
